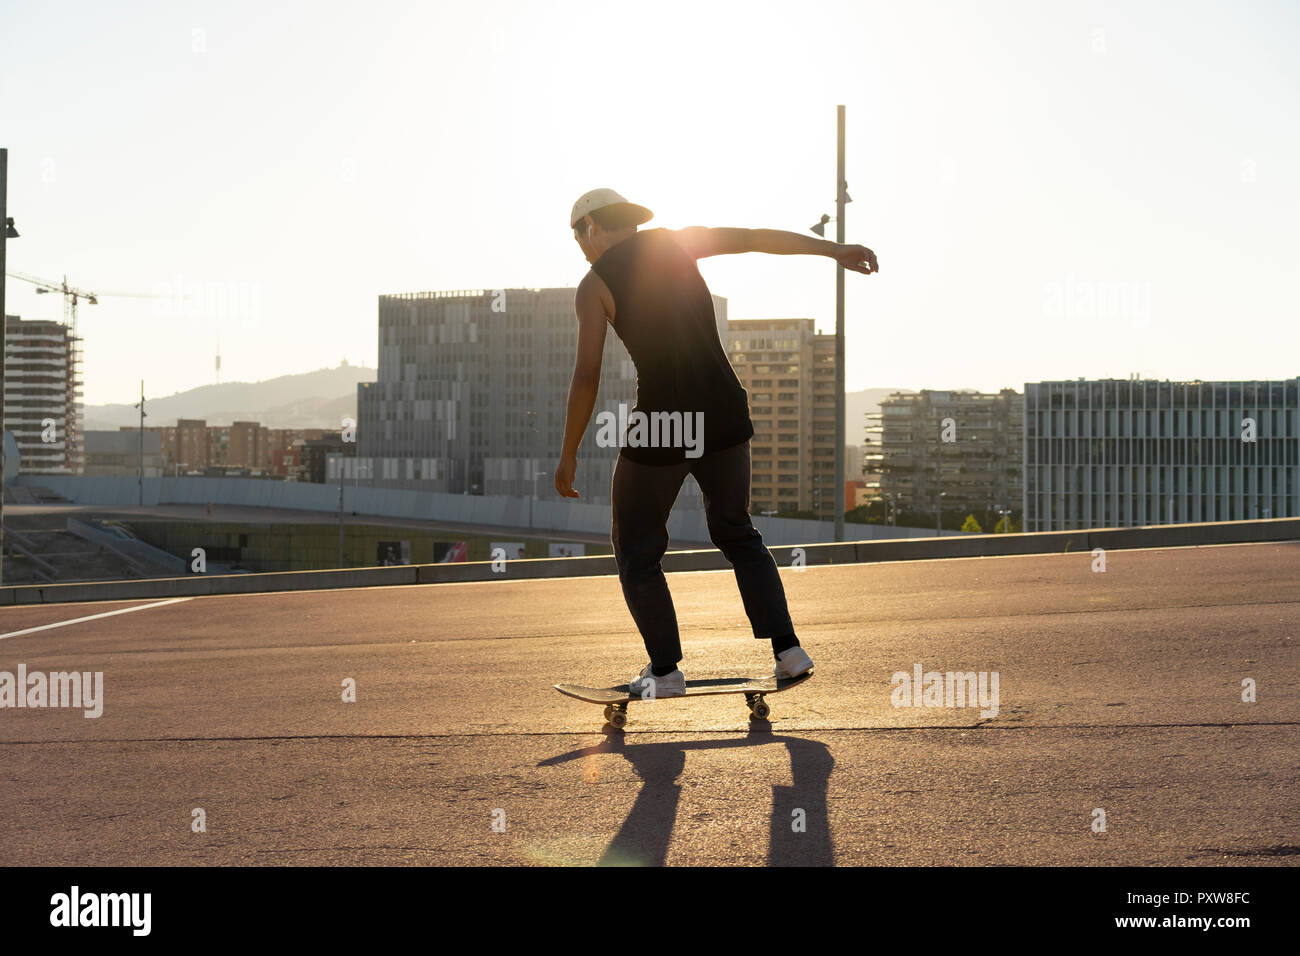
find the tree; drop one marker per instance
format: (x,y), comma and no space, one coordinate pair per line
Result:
(971,524)
(869,513)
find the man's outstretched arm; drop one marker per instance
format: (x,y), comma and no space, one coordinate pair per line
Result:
(702,241)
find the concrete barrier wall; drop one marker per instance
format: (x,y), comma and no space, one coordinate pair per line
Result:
(685,524)
(1049,542)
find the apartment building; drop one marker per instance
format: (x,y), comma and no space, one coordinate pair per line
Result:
(963,448)
(192,445)
(789,371)
(42,395)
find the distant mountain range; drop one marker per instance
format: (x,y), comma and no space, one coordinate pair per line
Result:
(320,399)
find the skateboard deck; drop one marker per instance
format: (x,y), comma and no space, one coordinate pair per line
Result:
(755,689)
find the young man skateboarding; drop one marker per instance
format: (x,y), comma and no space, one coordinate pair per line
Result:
(648,287)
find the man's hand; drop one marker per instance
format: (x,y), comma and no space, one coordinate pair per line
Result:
(858,258)
(564,475)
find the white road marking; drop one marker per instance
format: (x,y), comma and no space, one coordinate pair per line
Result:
(93,617)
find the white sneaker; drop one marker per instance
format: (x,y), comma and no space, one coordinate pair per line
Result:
(646,686)
(792,662)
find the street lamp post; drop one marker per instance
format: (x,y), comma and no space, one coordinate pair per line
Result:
(1005,515)
(7,231)
(531,417)
(841,199)
(938,494)
(140,473)
(340,563)
(531,501)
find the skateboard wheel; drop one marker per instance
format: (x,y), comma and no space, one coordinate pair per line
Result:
(760,709)
(618,719)
(609,711)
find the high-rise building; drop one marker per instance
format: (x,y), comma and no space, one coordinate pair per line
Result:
(42,395)
(823,424)
(789,371)
(472,393)
(962,445)
(1115,453)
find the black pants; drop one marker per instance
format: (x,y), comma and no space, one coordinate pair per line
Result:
(643,495)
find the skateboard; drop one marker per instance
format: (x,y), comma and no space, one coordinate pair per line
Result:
(755,689)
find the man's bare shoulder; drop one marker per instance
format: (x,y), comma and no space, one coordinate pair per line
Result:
(592,284)
(692,240)
(593,293)
(700,242)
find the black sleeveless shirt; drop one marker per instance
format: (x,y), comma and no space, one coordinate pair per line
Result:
(663,313)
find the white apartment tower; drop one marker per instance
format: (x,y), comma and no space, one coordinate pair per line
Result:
(42,395)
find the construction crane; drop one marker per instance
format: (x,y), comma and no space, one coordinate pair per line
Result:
(72,295)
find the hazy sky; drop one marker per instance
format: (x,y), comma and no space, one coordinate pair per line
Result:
(1054,189)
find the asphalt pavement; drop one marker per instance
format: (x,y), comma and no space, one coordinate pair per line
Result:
(1119,733)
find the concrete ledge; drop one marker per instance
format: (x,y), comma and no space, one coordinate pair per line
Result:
(898,549)
(194,585)
(843,552)
(710,560)
(1183,535)
(973,546)
(514,569)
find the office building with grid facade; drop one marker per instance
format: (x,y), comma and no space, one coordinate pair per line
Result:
(1117,453)
(472,393)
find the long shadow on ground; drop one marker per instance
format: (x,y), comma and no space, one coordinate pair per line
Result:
(800,829)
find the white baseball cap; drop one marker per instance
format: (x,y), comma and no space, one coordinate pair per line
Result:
(599,199)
